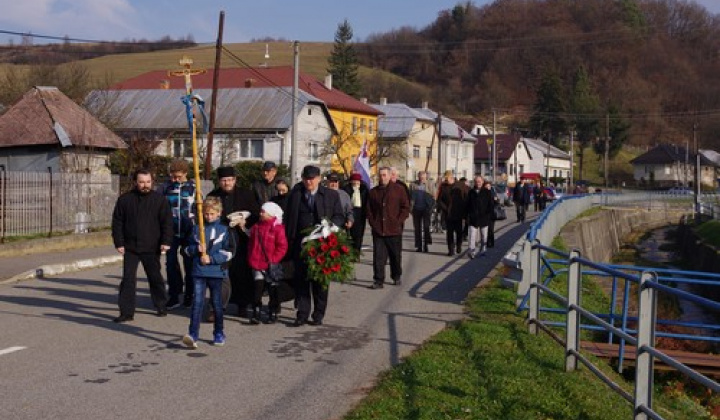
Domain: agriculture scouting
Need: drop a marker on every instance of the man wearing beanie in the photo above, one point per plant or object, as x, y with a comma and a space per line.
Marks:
239, 288
308, 204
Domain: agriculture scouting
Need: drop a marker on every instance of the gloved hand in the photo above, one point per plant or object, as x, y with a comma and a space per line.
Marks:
238, 218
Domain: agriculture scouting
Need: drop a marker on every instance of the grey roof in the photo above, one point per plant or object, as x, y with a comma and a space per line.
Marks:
238, 109
398, 121
450, 129
543, 147
711, 156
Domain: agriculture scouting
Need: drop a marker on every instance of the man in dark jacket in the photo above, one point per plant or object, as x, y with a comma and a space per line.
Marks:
521, 198
142, 228
422, 207
308, 204
358, 192
239, 288
456, 215
388, 207
265, 188
479, 209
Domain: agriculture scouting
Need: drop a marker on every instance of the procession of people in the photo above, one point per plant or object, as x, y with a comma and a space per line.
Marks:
252, 236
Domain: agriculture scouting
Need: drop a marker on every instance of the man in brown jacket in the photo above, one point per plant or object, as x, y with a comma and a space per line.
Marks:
387, 208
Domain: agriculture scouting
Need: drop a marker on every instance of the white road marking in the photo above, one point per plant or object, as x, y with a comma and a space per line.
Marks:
11, 350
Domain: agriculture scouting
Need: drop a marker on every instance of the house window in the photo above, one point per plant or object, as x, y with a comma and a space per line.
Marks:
428, 152
667, 170
371, 127
182, 148
362, 125
512, 169
453, 150
250, 149
416, 152
314, 151
466, 152
354, 125
555, 173
309, 111
521, 168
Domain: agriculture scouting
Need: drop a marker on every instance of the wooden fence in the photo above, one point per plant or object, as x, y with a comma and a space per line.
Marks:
33, 203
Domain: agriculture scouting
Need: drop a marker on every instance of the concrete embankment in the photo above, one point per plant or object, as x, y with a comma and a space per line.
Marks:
600, 235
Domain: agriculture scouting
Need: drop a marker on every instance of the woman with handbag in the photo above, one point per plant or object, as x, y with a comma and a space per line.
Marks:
266, 248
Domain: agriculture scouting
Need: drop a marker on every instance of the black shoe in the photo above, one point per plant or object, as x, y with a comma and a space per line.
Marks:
451, 253
173, 302
418, 249
255, 317
315, 322
187, 301
298, 323
377, 286
161, 313
459, 250
397, 282
425, 249
123, 318
272, 317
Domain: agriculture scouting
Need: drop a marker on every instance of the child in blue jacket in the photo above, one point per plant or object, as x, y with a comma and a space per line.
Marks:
210, 266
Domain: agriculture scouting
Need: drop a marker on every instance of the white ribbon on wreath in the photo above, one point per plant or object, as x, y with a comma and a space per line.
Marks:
322, 230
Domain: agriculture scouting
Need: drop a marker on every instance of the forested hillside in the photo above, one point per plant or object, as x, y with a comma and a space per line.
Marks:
652, 63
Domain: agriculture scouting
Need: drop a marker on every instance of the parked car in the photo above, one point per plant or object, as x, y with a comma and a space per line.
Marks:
681, 191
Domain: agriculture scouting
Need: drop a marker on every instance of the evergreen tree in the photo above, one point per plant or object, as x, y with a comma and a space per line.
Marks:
585, 110
548, 119
343, 61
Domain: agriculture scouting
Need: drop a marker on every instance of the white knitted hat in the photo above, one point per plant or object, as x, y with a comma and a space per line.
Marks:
273, 210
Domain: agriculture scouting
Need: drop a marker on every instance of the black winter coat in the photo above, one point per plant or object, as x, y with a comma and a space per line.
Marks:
479, 207
142, 222
327, 204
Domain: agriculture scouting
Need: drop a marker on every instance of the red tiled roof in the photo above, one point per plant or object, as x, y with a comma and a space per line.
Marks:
233, 78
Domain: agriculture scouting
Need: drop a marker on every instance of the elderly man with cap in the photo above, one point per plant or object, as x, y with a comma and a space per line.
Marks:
265, 188
358, 192
239, 288
308, 204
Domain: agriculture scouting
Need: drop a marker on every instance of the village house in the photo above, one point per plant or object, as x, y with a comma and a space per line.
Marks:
251, 123
354, 120
46, 131
668, 165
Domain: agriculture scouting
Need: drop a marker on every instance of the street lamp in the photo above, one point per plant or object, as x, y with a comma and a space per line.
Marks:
490, 157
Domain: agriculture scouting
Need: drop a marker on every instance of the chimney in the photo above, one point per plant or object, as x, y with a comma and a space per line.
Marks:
328, 82
164, 84
425, 104
363, 100
249, 83
383, 101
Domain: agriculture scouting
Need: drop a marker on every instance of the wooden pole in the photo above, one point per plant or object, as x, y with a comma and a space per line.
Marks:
187, 72
213, 99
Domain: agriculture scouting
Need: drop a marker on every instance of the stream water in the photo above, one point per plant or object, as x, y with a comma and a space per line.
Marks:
653, 248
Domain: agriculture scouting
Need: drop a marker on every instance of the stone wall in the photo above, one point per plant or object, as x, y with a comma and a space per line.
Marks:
600, 235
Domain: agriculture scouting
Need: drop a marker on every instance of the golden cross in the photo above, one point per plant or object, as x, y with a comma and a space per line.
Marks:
186, 72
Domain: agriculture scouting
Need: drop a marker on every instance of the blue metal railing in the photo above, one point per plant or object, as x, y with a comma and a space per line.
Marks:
539, 271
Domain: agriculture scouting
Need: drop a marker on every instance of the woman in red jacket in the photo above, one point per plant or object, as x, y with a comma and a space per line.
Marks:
267, 244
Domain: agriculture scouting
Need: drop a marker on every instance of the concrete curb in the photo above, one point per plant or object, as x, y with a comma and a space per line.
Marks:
56, 269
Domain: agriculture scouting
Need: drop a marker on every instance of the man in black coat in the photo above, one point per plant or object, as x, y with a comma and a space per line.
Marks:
309, 203
239, 288
521, 198
266, 188
142, 229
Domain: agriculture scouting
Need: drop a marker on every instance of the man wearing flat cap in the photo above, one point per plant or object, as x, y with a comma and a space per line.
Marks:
265, 188
358, 192
239, 289
307, 205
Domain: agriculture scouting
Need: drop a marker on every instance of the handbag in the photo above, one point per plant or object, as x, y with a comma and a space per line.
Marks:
498, 212
275, 272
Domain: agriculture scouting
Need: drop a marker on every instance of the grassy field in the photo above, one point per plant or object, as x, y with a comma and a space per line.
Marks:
620, 168
710, 232
489, 367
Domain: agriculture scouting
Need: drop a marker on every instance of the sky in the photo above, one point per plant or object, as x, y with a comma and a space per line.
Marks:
303, 20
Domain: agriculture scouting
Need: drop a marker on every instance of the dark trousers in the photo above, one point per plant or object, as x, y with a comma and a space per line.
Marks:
454, 235
491, 234
128, 285
358, 229
174, 275
385, 247
307, 290
421, 223
520, 212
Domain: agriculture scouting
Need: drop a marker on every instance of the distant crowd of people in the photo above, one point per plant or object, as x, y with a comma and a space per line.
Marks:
247, 230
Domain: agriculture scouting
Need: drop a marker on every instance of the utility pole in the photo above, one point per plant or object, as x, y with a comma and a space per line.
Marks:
572, 160
607, 149
213, 99
493, 148
687, 160
697, 174
293, 132
439, 131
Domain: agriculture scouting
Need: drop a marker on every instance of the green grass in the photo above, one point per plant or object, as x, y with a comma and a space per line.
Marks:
710, 232
489, 367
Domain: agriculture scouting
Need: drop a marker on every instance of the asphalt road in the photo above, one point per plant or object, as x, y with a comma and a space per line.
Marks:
62, 357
